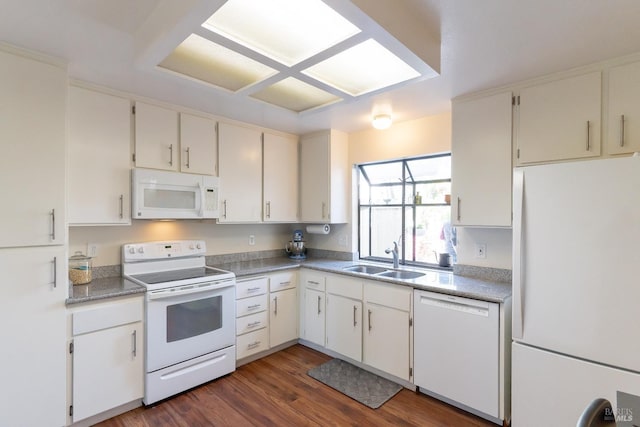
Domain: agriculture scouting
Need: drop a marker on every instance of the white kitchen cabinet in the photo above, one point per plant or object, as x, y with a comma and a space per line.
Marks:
240, 169
33, 161
324, 177
344, 316
33, 336
387, 326
99, 181
198, 145
312, 326
280, 178
252, 320
623, 114
481, 161
156, 137
560, 120
108, 356
283, 317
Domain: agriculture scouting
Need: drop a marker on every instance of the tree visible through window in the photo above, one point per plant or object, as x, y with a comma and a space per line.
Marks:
403, 201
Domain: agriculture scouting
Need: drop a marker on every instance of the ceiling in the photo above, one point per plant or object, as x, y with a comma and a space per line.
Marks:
484, 44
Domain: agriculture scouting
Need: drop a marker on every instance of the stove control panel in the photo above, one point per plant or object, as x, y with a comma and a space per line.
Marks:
163, 250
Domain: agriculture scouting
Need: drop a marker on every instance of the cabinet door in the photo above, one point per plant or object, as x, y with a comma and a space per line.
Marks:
623, 134
283, 324
344, 326
107, 369
32, 163
314, 316
560, 120
33, 335
240, 166
387, 328
481, 161
280, 178
314, 178
156, 137
99, 158
198, 145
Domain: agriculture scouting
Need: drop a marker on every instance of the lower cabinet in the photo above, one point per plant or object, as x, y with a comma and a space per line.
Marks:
107, 356
283, 308
344, 316
312, 318
388, 329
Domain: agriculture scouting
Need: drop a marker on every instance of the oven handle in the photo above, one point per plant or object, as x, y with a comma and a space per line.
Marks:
188, 289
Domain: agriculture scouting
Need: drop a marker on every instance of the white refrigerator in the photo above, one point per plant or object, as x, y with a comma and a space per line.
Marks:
576, 291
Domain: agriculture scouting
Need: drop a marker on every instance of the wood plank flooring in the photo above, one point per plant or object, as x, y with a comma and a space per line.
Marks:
276, 391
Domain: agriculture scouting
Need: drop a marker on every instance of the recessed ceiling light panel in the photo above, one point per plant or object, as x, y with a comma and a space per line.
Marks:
364, 68
295, 95
287, 31
204, 60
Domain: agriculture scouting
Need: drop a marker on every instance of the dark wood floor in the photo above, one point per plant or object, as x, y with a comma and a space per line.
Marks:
276, 391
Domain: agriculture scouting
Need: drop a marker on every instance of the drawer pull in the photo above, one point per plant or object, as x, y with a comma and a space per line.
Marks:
288, 282
254, 306
319, 299
257, 288
254, 324
253, 345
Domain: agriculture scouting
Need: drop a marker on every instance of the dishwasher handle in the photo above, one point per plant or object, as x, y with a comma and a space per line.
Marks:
469, 306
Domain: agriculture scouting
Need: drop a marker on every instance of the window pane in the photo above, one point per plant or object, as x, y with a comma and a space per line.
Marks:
384, 172
430, 168
386, 227
433, 193
364, 232
364, 190
387, 194
432, 229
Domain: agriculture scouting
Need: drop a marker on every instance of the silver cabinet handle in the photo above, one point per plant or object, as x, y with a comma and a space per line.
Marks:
319, 299
355, 310
622, 130
170, 154
254, 306
458, 208
55, 271
324, 208
257, 288
268, 209
134, 335
253, 344
53, 224
369, 318
188, 156
121, 206
313, 282
224, 211
287, 283
275, 303
254, 324
588, 135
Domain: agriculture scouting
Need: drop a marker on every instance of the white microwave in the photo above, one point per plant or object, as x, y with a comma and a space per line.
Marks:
173, 195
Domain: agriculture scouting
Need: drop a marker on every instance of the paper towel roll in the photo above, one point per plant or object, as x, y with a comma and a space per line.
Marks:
318, 229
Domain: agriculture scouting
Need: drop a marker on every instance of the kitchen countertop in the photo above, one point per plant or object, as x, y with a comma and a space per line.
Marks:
434, 280
97, 289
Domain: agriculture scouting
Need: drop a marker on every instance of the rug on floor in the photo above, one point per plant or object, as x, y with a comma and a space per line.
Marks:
365, 387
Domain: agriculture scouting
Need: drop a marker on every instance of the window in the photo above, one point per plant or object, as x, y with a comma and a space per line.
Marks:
403, 201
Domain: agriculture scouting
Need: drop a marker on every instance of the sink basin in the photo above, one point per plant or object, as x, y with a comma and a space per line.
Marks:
368, 269
401, 274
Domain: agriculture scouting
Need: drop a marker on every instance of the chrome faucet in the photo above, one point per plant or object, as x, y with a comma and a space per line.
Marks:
394, 253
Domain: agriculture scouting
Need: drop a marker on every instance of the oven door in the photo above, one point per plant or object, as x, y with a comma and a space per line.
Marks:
189, 321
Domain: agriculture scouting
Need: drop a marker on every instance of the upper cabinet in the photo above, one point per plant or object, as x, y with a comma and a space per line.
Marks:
623, 134
198, 145
481, 161
280, 178
99, 158
560, 120
324, 177
33, 161
156, 137
240, 158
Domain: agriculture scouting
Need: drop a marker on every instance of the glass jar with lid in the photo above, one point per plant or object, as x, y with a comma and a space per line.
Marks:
80, 269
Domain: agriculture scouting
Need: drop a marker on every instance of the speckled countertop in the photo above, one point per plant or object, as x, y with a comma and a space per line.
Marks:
433, 280
103, 288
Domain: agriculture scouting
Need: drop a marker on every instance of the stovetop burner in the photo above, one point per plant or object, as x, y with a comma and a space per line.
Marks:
204, 273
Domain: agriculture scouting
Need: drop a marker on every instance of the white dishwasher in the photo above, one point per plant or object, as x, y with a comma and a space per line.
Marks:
456, 350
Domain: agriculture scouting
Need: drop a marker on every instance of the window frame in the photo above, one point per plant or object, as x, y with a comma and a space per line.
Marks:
409, 186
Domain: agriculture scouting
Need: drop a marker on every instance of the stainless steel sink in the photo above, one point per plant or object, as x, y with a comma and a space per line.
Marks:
401, 274
367, 269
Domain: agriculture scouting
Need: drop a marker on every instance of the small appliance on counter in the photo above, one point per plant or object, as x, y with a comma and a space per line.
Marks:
295, 248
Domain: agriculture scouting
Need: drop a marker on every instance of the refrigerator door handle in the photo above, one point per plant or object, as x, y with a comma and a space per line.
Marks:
518, 282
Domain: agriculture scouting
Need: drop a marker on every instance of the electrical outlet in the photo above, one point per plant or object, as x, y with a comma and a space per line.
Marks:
252, 240
92, 250
481, 250
342, 240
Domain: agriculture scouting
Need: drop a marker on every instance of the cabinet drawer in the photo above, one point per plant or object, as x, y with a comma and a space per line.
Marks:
251, 305
344, 286
281, 281
394, 296
251, 287
252, 322
107, 316
251, 343
313, 281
